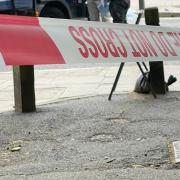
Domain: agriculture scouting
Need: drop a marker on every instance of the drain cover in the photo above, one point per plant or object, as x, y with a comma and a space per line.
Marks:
176, 148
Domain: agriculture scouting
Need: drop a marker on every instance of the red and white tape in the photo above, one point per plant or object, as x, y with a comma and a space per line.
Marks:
30, 40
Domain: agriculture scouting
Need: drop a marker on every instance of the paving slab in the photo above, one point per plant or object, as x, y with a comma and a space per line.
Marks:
59, 84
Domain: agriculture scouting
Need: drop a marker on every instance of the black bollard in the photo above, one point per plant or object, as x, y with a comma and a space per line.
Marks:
24, 93
156, 68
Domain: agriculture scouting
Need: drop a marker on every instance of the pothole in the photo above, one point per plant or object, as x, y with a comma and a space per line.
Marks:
103, 137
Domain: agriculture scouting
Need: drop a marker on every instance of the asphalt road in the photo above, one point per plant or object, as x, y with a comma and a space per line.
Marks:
93, 136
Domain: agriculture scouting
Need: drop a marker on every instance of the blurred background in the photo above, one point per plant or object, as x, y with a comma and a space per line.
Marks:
167, 9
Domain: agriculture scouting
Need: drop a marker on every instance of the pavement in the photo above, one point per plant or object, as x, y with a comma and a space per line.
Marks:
166, 8
54, 85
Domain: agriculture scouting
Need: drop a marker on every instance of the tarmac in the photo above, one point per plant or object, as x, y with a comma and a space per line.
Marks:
54, 85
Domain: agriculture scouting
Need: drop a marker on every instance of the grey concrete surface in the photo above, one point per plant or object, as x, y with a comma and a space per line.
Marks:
92, 138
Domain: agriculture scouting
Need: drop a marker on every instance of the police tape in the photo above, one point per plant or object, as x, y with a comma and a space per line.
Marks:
31, 40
